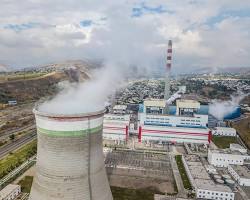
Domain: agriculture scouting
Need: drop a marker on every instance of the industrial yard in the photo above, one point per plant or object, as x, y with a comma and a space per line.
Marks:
138, 169
159, 138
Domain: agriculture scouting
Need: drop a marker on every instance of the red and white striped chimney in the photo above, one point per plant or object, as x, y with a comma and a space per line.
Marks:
168, 68
169, 55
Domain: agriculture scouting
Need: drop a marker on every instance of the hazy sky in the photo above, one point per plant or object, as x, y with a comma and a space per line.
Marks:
205, 33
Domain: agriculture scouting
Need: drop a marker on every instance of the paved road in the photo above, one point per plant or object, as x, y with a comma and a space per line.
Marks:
6, 149
8, 133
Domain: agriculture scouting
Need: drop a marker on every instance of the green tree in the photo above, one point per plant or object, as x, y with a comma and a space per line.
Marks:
12, 137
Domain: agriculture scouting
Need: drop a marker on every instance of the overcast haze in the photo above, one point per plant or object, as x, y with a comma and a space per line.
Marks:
205, 33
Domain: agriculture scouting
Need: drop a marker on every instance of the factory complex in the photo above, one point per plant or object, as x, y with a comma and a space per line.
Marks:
186, 126
158, 120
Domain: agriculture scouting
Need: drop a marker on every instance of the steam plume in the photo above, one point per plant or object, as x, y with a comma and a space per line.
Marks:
89, 96
220, 109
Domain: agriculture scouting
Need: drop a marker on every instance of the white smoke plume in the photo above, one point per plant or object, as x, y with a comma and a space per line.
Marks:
219, 109
89, 96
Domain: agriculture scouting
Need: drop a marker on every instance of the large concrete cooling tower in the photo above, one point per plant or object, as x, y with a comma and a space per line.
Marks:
70, 161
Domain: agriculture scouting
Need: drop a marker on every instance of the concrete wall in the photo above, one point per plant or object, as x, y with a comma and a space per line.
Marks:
70, 161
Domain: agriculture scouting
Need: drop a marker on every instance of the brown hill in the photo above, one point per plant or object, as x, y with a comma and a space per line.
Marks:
32, 89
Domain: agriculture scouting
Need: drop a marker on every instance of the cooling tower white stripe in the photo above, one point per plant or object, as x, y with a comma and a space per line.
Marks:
53, 125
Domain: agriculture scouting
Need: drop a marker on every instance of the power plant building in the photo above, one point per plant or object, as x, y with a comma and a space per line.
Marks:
70, 160
183, 126
116, 127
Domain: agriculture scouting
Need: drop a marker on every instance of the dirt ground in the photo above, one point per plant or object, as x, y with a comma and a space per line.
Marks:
243, 128
164, 186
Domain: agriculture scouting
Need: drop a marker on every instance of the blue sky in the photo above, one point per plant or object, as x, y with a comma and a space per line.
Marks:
142, 9
21, 27
132, 32
86, 23
244, 13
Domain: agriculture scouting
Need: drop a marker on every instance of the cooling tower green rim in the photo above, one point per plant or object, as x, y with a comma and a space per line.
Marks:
70, 133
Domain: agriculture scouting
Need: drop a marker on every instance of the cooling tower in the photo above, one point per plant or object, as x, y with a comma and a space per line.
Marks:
70, 161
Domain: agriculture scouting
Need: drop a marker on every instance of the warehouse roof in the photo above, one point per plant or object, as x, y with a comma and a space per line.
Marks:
8, 190
155, 103
224, 128
227, 151
205, 184
184, 103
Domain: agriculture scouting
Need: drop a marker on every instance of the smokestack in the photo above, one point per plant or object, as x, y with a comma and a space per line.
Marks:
70, 161
168, 69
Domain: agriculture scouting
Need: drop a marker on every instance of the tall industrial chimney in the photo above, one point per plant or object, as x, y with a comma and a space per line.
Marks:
70, 161
168, 68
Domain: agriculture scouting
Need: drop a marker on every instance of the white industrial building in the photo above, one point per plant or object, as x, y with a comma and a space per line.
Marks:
224, 131
205, 187
241, 174
225, 157
10, 192
185, 126
116, 127
237, 147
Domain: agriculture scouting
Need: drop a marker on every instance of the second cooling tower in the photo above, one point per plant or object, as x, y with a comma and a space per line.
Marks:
70, 162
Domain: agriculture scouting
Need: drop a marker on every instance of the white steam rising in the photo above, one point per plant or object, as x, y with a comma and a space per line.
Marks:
89, 96
220, 109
